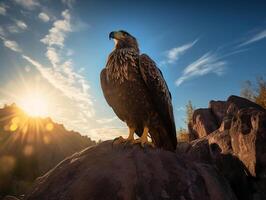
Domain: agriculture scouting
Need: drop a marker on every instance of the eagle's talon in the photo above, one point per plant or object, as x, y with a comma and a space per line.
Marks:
121, 140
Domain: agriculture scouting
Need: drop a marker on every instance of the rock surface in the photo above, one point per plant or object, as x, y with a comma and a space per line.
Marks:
218, 115
237, 148
130, 172
203, 122
227, 161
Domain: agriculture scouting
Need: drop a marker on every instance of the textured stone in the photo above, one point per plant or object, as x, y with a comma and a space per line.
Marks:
130, 172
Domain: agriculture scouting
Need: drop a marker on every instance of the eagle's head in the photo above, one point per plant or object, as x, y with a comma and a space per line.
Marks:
123, 40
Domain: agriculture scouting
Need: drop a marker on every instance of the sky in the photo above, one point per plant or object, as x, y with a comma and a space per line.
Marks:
57, 49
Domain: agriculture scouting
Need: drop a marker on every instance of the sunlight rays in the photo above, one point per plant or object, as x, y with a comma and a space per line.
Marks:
35, 104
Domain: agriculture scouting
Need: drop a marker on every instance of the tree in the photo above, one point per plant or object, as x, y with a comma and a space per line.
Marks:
255, 93
260, 98
182, 135
189, 112
247, 91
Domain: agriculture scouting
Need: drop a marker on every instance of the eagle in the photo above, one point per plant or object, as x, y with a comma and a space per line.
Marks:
135, 88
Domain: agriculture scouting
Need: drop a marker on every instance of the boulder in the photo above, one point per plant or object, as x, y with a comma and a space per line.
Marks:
218, 108
235, 103
203, 122
248, 138
130, 172
215, 149
218, 115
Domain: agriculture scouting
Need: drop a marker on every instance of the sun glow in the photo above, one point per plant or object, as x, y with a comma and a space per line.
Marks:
35, 104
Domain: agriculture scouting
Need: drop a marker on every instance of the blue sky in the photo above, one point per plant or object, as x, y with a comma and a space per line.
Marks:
205, 49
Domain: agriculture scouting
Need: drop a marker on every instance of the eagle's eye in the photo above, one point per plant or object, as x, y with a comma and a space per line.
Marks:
124, 33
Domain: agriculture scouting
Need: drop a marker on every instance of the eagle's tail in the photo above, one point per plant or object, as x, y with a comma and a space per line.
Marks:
161, 139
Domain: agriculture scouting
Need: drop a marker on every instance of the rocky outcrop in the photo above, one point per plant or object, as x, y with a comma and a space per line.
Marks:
218, 115
242, 130
227, 161
237, 148
203, 122
248, 138
206, 150
130, 172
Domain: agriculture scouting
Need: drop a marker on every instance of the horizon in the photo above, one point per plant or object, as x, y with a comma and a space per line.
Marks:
53, 52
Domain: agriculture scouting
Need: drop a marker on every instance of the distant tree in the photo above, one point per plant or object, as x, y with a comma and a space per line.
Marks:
260, 98
182, 135
247, 91
189, 112
255, 93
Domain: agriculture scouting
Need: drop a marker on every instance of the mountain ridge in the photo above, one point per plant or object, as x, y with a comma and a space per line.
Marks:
31, 146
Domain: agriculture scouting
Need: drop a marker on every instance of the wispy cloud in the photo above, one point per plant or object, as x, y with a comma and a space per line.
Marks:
28, 4
12, 45
59, 30
174, 54
106, 120
75, 88
107, 133
22, 25
180, 109
17, 27
254, 38
208, 63
2, 9
68, 3
44, 17
62, 74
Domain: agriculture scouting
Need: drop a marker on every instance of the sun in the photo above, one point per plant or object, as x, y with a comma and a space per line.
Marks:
35, 104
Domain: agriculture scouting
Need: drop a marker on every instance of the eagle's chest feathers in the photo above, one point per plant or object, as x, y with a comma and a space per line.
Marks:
120, 63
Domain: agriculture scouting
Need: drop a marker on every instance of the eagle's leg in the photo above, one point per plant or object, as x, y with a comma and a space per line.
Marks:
143, 140
130, 137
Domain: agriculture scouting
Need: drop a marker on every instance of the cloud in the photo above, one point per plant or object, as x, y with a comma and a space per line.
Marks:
53, 56
74, 87
174, 54
13, 45
17, 27
62, 75
22, 25
44, 17
59, 30
107, 133
180, 109
68, 3
28, 4
2, 9
255, 38
13, 29
208, 63
106, 120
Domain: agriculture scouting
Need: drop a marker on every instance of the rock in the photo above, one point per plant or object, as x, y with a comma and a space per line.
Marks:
203, 122
235, 103
222, 139
207, 150
218, 108
218, 115
10, 198
248, 138
130, 172
237, 148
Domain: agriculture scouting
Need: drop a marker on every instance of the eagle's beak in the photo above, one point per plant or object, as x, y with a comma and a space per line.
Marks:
111, 35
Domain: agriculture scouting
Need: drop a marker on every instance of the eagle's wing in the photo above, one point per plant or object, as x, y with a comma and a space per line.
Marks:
107, 92
160, 94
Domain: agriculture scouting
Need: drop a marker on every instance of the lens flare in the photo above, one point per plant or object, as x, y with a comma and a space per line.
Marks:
35, 105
